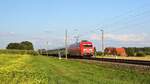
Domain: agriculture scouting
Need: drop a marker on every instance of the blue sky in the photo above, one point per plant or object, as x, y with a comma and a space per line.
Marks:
125, 22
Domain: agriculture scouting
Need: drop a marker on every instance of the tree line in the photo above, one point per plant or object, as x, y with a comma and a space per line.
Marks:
130, 51
134, 51
25, 45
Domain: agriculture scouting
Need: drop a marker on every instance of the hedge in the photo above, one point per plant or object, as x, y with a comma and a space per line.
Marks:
11, 51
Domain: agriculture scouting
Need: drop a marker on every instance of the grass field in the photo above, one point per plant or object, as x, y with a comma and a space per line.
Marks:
27, 69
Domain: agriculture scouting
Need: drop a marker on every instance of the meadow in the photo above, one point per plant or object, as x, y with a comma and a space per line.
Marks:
29, 69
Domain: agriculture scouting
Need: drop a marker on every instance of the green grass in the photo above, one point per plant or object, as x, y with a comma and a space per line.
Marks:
27, 69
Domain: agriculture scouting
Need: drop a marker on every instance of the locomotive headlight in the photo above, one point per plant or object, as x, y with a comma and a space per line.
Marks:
90, 50
84, 49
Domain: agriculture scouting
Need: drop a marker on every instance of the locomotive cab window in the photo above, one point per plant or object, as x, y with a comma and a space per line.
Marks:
87, 45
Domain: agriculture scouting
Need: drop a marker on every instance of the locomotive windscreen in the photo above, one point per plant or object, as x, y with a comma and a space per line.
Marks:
87, 45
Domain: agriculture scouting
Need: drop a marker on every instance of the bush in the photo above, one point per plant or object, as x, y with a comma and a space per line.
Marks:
147, 53
130, 51
22, 52
140, 54
14, 46
99, 53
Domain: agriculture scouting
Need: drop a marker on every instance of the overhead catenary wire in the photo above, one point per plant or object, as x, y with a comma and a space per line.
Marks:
129, 26
127, 23
123, 26
128, 17
125, 15
134, 16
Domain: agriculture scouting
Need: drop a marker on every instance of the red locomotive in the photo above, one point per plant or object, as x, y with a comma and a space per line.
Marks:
83, 48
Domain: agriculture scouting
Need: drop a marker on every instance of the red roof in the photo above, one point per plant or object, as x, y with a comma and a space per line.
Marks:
116, 51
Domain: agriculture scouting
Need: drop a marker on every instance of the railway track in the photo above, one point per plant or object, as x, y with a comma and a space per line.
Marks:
137, 62
127, 61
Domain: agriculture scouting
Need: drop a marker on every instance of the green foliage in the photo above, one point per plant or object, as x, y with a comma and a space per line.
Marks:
147, 53
14, 46
99, 53
27, 69
130, 51
133, 51
22, 52
42, 51
140, 54
25, 45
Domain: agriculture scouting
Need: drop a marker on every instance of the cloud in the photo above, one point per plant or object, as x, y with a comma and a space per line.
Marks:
48, 31
7, 34
53, 42
126, 37
121, 37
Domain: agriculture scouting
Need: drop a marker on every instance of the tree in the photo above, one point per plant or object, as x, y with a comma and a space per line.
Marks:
130, 51
42, 51
27, 45
14, 46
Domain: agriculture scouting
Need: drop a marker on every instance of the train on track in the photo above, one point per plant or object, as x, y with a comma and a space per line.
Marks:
83, 49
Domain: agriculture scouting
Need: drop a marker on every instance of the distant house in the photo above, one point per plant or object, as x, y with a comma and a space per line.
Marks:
115, 51
110, 51
121, 52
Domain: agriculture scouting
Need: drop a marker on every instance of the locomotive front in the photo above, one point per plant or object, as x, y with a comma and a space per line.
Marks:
87, 49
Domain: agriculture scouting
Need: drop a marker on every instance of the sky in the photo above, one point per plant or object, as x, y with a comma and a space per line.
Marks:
125, 22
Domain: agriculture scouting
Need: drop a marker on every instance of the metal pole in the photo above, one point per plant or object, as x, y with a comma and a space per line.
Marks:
47, 48
76, 36
59, 54
66, 38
